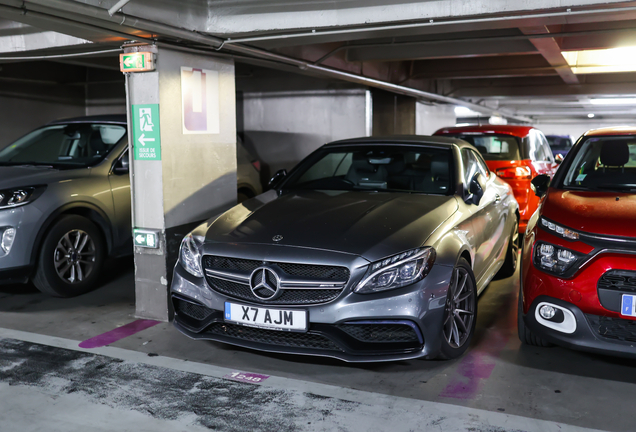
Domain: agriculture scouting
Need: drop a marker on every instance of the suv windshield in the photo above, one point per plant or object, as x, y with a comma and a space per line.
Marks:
494, 147
66, 145
604, 164
377, 168
558, 142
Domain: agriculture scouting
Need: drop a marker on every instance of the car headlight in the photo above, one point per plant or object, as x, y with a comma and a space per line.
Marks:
559, 230
190, 255
18, 196
397, 271
554, 259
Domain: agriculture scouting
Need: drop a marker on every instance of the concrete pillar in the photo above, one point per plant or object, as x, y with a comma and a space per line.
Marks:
393, 114
188, 174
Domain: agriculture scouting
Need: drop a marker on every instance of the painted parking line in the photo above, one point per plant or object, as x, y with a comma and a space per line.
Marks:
119, 333
348, 409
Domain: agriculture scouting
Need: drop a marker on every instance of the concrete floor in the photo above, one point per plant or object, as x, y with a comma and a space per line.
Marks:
497, 375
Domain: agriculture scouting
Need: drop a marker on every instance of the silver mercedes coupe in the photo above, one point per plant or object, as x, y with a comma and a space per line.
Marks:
371, 249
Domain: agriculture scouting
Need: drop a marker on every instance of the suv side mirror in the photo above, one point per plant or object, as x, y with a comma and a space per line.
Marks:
476, 189
558, 159
122, 166
540, 184
277, 179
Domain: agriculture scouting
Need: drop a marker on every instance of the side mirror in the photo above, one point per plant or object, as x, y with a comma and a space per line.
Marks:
558, 159
476, 189
540, 184
277, 179
122, 166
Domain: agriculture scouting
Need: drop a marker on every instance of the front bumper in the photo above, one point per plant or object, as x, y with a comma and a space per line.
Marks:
593, 333
27, 221
419, 307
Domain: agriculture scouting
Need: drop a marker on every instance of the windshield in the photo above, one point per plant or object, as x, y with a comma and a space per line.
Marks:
70, 145
602, 164
494, 147
375, 168
558, 142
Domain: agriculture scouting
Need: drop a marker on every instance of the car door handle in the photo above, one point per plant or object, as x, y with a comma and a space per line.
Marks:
497, 198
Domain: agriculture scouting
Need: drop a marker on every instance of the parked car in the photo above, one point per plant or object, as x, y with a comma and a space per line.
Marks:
560, 144
371, 249
65, 203
516, 154
578, 277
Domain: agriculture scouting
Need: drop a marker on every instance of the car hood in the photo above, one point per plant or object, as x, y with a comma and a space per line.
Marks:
30, 175
369, 224
593, 212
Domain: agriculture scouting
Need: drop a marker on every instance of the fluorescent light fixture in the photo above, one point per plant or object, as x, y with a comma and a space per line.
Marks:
461, 111
497, 120
462, 124
590, 115
602, 60
613, 101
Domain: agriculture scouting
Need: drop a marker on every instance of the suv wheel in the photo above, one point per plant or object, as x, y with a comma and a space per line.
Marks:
71, 257
525, 335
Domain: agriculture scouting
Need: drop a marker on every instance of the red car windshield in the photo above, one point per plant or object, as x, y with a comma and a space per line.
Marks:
604, 164
493, 146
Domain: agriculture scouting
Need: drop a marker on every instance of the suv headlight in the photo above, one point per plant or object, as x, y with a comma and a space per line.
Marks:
558, 229
397, 271
555, 259
19, 196
190, 255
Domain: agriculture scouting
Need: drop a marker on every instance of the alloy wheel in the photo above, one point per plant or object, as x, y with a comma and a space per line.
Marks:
74, 256
460, 308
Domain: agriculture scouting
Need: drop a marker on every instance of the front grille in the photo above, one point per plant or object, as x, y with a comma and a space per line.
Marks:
288, 296
315, 271
620, 280
613, 328
223, 263
196, 311
379, 333
273, 337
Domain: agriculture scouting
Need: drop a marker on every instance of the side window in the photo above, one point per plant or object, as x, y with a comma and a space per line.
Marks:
469, 162
547, 151
481, 165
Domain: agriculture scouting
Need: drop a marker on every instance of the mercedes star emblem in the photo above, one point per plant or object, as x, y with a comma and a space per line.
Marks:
277, 238
264, 283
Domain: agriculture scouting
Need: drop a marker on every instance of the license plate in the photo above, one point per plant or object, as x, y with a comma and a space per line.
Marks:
628, 305
256, 316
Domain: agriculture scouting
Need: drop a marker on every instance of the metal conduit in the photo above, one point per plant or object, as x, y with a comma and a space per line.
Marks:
59, 10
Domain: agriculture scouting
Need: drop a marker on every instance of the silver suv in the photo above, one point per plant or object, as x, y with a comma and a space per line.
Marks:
65, 203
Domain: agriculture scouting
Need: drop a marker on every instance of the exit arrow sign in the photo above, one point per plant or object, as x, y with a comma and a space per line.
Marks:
145, 238
137, 62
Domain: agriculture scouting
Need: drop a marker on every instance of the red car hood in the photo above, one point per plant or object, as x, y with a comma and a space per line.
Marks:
593, 212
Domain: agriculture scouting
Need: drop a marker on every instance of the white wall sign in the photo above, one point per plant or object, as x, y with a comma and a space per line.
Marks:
199, 101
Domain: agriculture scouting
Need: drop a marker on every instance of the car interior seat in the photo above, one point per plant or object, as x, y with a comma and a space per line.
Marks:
364, 174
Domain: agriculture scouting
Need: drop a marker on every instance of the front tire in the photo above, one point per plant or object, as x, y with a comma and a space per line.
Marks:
460, 315
512, 255
525, 335
71, 257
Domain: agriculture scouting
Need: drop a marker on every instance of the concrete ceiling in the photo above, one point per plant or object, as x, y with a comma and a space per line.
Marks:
500, 54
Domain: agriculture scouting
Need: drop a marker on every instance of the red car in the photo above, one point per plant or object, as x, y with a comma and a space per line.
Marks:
578, 271
517, 154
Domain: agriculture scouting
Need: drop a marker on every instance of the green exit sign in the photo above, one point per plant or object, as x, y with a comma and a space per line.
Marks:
145, 238
137, 62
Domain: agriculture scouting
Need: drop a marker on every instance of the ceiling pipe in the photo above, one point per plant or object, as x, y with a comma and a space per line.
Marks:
429, 23
61, 8
117, 6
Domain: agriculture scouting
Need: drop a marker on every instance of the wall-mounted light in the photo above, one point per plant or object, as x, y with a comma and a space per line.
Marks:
590, 115
613, 101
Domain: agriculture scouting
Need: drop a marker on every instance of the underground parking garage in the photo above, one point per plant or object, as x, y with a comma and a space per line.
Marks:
317, 215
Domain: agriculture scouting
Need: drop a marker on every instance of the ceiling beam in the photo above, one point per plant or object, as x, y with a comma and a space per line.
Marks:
550, 50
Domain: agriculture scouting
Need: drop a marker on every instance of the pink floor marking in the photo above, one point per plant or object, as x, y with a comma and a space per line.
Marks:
119, 333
